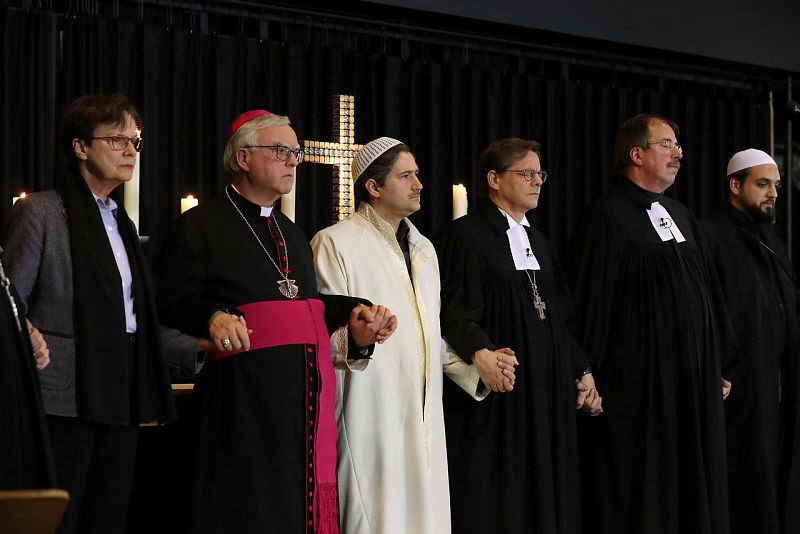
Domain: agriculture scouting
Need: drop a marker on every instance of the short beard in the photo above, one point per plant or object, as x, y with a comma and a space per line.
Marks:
757, 214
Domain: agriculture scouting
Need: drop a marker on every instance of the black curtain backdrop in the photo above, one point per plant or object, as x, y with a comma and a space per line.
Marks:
189, 85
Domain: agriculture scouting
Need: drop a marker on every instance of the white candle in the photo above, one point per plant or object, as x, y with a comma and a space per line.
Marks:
287, 200
188, 202
21, 195
459, 201
131, 195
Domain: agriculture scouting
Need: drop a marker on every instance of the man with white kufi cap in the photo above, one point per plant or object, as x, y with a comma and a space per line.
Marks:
392, 469
759, 287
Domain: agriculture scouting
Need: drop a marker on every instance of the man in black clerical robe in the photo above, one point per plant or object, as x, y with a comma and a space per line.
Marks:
241, 274
25, 458
760, 291
650, 317
512, 457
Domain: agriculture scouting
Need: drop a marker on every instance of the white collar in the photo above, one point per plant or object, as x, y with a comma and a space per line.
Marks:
520, 244
512, 223
266, 211
663, 223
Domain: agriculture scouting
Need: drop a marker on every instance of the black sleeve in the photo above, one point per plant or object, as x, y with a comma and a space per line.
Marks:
578, 358
337, 314
183, 272
592, 271
728, 344
462, 296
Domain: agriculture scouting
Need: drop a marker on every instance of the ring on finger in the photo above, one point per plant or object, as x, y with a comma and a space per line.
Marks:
226, 342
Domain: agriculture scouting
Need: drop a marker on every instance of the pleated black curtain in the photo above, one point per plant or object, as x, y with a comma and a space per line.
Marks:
189, 85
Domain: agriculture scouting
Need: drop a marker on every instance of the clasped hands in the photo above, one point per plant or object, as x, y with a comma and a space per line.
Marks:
496, 368
228, 332
726, 388
367, 325
370, 325
589, 399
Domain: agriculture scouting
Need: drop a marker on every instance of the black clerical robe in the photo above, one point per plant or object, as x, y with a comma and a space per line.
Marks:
758, 283
512, 457
254, 410
790, 458
650, 316
25, 458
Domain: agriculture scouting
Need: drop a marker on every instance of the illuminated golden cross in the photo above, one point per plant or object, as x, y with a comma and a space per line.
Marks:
339, 153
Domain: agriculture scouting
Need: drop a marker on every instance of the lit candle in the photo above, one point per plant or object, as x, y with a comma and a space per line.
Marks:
131, 193
287, 200
21, 195
188, 202
459, 201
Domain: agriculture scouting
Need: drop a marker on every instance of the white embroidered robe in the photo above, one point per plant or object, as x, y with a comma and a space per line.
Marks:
392, 466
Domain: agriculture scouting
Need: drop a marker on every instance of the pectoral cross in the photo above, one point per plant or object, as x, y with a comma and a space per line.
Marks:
539, 304
339, 153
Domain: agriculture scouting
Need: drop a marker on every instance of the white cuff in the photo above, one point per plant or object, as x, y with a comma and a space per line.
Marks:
339, 346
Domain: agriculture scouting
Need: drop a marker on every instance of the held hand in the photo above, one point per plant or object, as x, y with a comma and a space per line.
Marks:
507, 361
228, 332
589, 399
494, 368
40, 351
387, 322
726, 388
371, 325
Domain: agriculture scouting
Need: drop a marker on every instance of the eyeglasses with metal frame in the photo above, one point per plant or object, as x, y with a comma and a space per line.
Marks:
529, 174
668, 144
282, 152
120, 142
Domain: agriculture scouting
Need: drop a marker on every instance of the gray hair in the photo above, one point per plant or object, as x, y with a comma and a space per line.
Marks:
245, 136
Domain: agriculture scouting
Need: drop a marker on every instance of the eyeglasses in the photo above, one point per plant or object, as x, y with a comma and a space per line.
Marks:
529, 174
668, 144
282, 152
120, 142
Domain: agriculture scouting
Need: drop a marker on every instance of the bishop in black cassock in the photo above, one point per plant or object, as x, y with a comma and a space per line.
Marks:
512, 457
760, 290
649, 314
240, 273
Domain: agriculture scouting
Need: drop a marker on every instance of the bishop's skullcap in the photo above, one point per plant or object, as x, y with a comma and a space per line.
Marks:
245, 117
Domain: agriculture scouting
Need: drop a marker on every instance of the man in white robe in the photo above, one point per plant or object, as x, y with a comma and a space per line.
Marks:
392, 468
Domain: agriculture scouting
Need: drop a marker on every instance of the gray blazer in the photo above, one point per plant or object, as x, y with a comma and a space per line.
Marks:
38, 261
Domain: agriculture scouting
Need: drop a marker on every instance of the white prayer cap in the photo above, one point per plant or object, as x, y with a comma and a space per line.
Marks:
370, 152
749, 158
